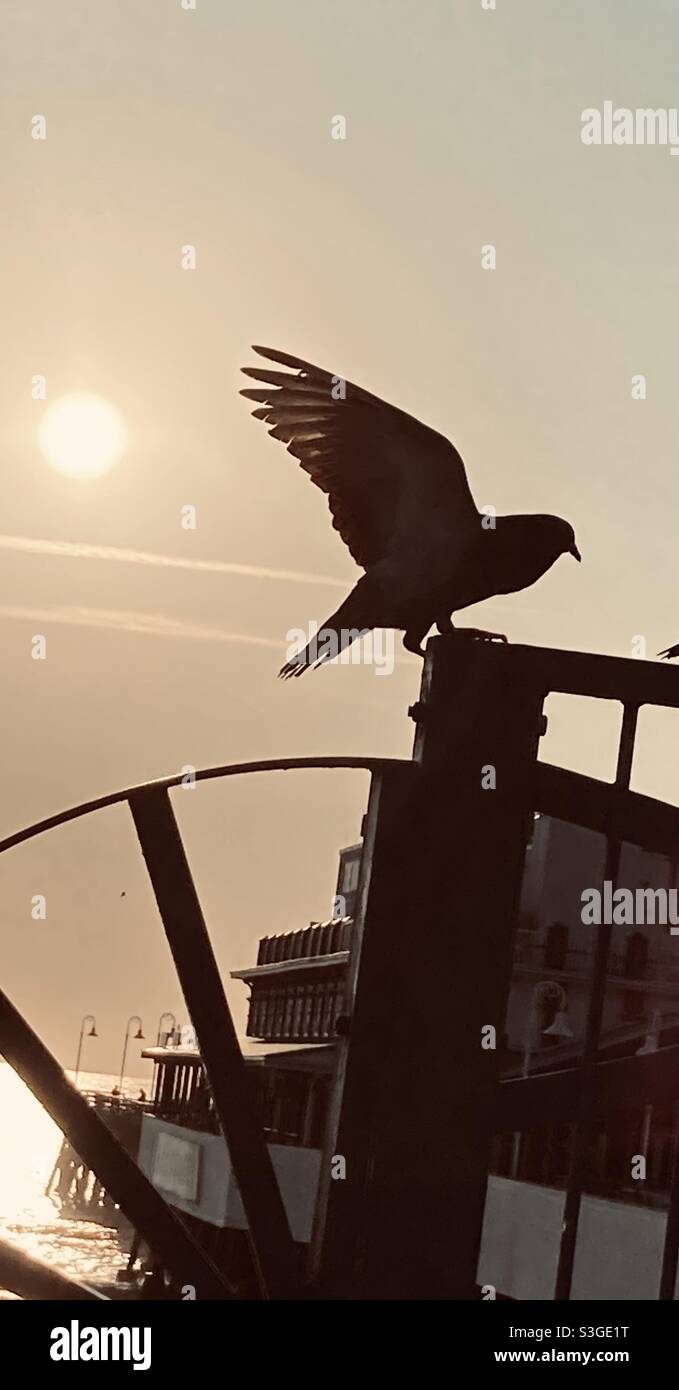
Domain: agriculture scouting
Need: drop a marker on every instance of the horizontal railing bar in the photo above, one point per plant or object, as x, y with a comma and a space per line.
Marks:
292, 964
601, 806
626, 679
620, 1083
559, 792
200, 775
32, 1278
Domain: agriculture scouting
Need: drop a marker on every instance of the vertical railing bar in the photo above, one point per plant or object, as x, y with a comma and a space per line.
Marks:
103, 1153
427, 985
583, 1127
343, 1043
182, 917
668, 1274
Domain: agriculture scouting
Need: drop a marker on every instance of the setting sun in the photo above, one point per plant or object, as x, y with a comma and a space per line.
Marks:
82, 436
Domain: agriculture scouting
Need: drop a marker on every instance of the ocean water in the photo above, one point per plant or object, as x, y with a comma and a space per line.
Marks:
28, 1150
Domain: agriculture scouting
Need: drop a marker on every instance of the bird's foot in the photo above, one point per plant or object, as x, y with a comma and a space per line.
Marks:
411, 642
295, 667
479, 634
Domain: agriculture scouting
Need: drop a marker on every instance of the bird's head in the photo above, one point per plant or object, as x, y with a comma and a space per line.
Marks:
560, 536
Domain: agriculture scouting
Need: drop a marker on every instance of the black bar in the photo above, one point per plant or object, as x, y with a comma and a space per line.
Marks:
99, 1149
31, 1278
583, 1130
269, 1235
668, 1274
626, 679
381, 790
553, 1097
606, 809
442, 874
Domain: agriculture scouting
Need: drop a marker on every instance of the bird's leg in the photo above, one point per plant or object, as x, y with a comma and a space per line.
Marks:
413, 639
445, 625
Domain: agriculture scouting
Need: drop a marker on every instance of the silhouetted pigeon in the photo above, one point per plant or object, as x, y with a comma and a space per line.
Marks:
399, 497
669, 652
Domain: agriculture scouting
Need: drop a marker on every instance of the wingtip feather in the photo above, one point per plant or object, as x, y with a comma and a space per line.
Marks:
274, 355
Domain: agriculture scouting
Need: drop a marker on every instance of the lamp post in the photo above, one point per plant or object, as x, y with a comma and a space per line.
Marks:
560, 1028
650, 1044
138, 1036
89, 1018
167, 1014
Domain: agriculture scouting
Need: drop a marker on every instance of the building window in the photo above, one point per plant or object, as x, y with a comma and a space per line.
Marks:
350, 875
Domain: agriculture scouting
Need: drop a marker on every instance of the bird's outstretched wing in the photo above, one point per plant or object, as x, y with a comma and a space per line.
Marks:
669, 652
385, 473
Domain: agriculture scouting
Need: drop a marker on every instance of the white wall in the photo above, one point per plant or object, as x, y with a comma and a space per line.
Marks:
618, 1253
218, 1200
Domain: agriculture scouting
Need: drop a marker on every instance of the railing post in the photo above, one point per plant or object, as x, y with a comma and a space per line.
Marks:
668, 1272
268, 1232
441, 882
583, 1128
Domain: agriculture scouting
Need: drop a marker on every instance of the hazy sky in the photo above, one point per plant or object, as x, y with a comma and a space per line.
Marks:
213, 127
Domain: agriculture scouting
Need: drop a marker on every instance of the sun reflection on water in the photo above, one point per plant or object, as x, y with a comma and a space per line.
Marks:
28, 1218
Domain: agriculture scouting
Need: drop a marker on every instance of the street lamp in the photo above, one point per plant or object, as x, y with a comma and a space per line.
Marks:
650, 1044
560, 1028
89, 1018
167, 1014
138, 1036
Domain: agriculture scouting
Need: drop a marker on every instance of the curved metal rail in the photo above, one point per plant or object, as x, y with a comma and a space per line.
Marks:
29, 1277
274, 1255
206, 774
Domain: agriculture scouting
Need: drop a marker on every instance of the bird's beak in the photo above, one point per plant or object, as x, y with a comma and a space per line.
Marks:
574, 551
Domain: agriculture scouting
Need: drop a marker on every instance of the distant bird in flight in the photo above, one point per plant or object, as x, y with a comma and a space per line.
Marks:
399, 497
669, 652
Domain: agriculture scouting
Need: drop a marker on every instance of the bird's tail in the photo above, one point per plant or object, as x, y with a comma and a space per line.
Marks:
670, 652
350, 622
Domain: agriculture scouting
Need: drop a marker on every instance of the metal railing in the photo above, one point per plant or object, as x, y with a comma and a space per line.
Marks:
620, 815
272, 1249
434, 843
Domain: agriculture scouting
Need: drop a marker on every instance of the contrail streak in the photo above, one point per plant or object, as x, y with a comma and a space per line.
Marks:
152, 624
30, 545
